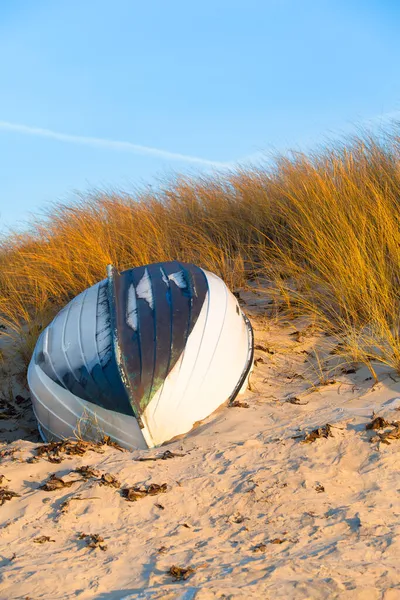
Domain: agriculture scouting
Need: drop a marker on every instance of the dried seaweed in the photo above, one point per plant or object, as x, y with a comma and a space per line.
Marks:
295, 400
93, 540
293, 376
103, 478
320, 432
43, 539
54, 451
385, 436
260, 548
236, 518
136, 492
87, 472
378, 423
55, 483
392, 430
110, 480
299, 335
168, 454
264, 348
180, 573
6, 494
107, 441
8, 452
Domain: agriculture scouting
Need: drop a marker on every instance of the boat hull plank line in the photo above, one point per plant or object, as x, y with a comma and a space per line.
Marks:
141, 356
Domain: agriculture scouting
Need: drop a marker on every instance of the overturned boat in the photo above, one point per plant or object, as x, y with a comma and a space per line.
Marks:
141, 356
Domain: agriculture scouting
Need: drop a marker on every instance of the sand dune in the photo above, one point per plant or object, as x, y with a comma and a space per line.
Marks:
250, 506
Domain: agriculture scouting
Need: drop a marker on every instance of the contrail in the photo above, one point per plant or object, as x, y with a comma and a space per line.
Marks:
107, 144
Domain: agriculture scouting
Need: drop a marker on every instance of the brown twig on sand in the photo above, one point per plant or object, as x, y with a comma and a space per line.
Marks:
164, 456
64, 506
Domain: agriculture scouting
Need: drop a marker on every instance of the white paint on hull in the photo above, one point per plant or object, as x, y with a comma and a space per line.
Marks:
132, 311
179, 279
144, 291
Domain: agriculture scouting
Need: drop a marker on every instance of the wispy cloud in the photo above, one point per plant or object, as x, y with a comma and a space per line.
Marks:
107, 144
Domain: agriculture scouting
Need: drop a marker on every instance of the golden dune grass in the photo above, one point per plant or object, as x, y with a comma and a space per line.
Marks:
324, 228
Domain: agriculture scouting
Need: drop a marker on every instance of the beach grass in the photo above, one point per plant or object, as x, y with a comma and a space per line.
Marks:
323, 229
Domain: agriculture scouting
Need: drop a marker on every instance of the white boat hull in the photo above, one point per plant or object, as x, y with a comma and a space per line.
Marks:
141, 357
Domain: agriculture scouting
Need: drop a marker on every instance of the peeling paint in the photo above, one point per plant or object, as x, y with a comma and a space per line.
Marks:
131, 309
179, 279
144, 290
163, 276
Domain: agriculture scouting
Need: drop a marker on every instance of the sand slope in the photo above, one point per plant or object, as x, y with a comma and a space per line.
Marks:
253, 509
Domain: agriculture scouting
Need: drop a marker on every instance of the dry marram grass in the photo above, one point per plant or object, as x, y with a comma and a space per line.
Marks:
324, 228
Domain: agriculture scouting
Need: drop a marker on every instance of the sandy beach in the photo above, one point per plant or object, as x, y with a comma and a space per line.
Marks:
176, 177
262, 500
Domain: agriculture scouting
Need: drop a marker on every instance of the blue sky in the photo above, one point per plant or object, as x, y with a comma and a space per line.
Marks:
216, 80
